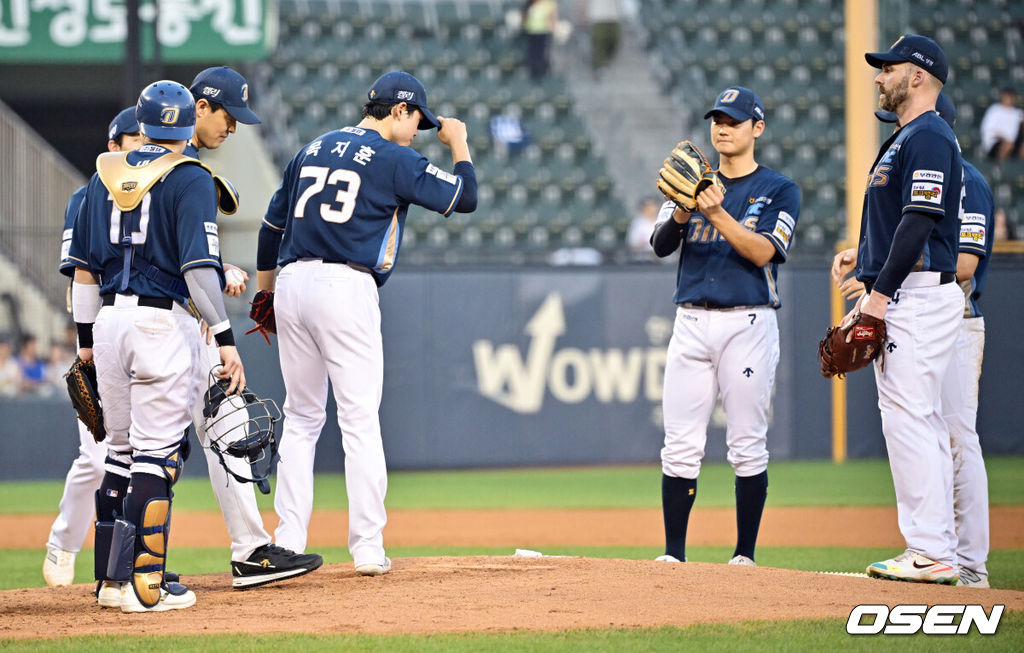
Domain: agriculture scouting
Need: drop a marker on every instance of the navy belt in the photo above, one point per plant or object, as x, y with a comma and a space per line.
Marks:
165, 303
711, 306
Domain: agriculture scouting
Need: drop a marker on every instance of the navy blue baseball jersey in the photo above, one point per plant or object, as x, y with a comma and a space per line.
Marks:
174, 228
976, 230
67, 266
710, 271
918, 168
345, 196
191, 150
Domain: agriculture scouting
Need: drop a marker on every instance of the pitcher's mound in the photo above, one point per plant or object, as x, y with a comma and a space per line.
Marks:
485, 593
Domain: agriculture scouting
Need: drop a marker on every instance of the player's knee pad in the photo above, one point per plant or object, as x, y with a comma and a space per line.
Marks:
171, 466
119, 463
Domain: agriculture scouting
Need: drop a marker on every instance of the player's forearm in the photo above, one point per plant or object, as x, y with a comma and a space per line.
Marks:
267, 249
265, 279
460, 152
85, 305
750, 245
966, 266
467, 201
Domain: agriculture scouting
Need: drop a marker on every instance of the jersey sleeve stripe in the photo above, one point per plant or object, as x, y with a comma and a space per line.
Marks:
200, 262
924, 208
273, 226
780, 247
972, 248
455, 199
78, 262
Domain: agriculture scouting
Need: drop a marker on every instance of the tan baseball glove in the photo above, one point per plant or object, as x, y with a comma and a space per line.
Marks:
684, 174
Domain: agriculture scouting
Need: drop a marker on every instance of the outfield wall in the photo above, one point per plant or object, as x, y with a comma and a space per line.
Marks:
542, 366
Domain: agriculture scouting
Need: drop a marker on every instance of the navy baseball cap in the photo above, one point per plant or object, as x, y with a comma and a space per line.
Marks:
943, 106
124, 123
738, 103
399, 86
916, 49
228, 89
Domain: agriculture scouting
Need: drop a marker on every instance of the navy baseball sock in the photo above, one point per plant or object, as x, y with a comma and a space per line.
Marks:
110, 497
677, 496
751, 492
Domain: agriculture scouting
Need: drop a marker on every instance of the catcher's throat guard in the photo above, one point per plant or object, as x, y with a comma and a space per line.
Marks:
241, 425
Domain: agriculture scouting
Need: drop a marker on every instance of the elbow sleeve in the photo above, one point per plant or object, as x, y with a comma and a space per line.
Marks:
268, 248
467, 202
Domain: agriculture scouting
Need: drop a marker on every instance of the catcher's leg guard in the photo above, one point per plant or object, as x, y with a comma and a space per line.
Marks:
109, 506
148, 509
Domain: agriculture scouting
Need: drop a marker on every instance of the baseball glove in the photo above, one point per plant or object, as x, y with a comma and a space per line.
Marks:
262, 313
81, 378
684, 174
839, 357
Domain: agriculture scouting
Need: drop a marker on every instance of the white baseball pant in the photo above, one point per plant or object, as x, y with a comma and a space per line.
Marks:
960, 411
328, 328
736, 352
922, 322
78, 501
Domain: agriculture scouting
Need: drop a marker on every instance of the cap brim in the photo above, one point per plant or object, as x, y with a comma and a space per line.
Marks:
886, 116
732, 112
243, 115
879, 59
168, 133
428, 120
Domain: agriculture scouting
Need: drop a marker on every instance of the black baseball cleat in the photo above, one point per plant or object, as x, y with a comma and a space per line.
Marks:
271, 563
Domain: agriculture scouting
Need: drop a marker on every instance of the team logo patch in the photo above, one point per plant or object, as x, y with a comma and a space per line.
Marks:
864, 333
213, 242
211, 91
113, 131
407, 96
926, 192
784, 228
245, 92
929, 175
441, 174
729, 95
972, 233
973, 218
169, 115
129, 186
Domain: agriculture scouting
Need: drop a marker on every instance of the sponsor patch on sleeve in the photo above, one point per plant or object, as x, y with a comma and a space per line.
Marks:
784, 229
211, 227
973, 218
65, 249
929, 175
926, 192
214, 244
972, 234
441, 174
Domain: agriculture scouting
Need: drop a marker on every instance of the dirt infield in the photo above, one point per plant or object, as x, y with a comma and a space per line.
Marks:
520, 528
484, 594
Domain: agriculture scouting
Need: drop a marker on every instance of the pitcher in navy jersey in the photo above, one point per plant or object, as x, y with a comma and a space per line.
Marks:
335, 228
726, 337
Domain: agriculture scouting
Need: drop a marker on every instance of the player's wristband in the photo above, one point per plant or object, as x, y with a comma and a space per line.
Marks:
84, 334
225, 338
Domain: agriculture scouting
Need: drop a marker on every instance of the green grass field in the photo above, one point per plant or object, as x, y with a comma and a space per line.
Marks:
857, 483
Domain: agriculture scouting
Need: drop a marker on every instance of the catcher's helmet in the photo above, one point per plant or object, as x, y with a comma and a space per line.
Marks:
166, 111
241, 425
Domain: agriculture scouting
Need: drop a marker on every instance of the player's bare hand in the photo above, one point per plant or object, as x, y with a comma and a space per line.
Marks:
85, 353
851, 288
452, 131
681, 216
843, 264
709, 202
235, 278
204, 331
231, 368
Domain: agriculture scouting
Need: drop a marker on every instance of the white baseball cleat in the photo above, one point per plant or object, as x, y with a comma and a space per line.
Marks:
667, 558
971, 578
742, 561
109, 594
914, 567
373, 568
173, 596
59, 567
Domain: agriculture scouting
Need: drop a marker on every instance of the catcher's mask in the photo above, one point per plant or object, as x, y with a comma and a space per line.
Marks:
250, 438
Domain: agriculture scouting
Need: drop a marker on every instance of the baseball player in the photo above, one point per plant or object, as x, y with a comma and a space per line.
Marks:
959, 392
335, 227
726, 337
145, 247
83, 479
907, 259
221, 96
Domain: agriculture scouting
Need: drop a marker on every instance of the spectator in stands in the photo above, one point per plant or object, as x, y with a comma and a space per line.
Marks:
1001, 132
10, 371
57, 364
33, 369
603, 17
539, 20
640, 230
1001, 228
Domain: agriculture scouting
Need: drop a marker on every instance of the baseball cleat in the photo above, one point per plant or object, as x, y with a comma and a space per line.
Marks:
59, 567
742, 561
271, 563
373, 568
108, 594
668, 558
971, 578
915, 568
173, 596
